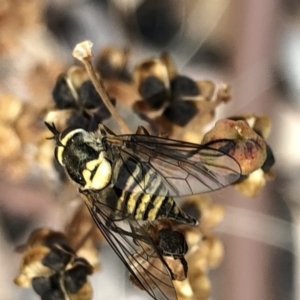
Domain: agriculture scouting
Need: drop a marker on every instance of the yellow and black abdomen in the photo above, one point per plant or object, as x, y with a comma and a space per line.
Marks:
150, 207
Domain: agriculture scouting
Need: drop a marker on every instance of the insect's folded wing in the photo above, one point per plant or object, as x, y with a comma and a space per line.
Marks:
136, 250
164, 167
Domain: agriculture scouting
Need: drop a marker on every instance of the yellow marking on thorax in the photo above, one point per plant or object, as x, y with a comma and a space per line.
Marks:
101, 177
92, 164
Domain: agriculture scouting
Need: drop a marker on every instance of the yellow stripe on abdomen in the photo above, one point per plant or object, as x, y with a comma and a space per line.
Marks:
156, 207
140, 210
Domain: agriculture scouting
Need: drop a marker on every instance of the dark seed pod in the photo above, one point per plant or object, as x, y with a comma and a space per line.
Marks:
62, 95
180, 112
182, 86
76, 277
153, 92
48, 288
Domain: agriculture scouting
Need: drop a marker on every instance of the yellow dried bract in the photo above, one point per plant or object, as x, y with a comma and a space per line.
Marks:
259, 123
75, 77
162, 68
31, 266
117, 58
252, 185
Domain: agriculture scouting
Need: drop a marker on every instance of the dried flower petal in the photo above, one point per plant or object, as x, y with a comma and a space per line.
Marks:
83, 50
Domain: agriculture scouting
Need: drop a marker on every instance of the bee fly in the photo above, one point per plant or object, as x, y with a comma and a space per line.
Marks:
133, 178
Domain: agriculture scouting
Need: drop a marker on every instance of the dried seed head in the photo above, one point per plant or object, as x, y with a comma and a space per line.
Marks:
251, 185
112, 63
241, 142
262, 126
183, 104
151, 69
52, 269
45, 252
46, 237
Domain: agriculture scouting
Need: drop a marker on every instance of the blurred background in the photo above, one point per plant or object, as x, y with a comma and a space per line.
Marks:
252, 45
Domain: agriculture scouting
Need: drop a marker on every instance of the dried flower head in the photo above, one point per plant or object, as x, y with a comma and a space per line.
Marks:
240, 141
52, 268
171, 102
77, 103
112, 63
251, 184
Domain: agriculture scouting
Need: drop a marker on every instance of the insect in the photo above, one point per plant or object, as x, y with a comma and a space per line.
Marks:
129, 181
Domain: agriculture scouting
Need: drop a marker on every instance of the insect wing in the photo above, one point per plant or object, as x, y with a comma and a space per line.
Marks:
159, 166
136, 250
